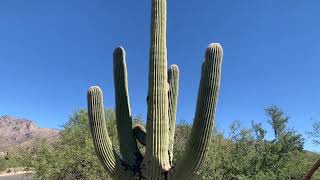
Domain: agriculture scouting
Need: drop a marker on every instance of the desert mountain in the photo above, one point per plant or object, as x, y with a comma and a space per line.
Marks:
21, 132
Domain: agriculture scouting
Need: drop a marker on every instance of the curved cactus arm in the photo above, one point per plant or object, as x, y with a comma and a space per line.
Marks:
201, 132
140, 133
103, 146
128, 144
173, 81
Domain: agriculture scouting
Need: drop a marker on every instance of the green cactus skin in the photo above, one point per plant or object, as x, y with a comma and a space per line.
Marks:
173, 81
206, 106
156, 161
140, 133
128, 144
108, 157
161, 118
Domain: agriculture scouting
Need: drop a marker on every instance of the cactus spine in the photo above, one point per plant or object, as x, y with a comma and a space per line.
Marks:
161, 118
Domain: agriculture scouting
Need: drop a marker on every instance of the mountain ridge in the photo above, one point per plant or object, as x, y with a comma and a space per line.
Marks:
17, 132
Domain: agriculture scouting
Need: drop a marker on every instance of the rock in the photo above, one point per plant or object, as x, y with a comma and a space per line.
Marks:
22, 132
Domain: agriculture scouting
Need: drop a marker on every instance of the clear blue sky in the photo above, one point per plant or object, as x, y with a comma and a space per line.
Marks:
52, 51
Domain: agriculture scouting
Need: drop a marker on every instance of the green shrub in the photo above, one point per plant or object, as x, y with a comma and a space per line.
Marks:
244, 154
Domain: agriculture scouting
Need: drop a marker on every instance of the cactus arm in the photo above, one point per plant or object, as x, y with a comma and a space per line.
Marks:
196, 149
162, 99
173, 81
156, 160
128, 145
103, 145
140, 133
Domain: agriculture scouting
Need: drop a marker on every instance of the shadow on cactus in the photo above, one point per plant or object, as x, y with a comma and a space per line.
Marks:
162, 98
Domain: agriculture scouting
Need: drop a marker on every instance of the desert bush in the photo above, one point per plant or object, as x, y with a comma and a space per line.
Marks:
243, 154
3, 164
72, 156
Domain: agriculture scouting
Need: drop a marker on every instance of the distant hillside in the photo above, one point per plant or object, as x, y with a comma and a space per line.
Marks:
21, 132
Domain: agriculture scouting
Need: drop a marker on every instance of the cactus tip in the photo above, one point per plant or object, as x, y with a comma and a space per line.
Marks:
94, 89
215, 47
174, 67
119, 50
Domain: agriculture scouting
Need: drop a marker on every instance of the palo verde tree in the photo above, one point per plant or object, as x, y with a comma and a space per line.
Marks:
287, 138
157, 163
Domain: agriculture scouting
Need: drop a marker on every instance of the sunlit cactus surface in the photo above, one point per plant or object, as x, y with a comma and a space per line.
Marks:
158, 136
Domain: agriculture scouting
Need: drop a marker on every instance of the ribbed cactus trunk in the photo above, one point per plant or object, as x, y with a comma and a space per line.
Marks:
156, 160
158, 138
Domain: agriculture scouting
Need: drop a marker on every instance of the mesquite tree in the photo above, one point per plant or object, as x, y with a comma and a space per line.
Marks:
162, 98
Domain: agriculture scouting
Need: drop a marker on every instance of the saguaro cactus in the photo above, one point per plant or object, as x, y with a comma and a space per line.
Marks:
161, 118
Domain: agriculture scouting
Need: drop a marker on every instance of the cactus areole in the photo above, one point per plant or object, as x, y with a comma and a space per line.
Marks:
158, 137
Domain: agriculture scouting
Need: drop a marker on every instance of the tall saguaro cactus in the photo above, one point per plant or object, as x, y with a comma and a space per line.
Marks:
161, 118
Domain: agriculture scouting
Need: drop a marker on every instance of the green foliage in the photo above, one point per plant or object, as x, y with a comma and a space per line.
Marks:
244, 154
73, 156
277, 120
182, 134
287, 139
8, 161
3, 164
315, 133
